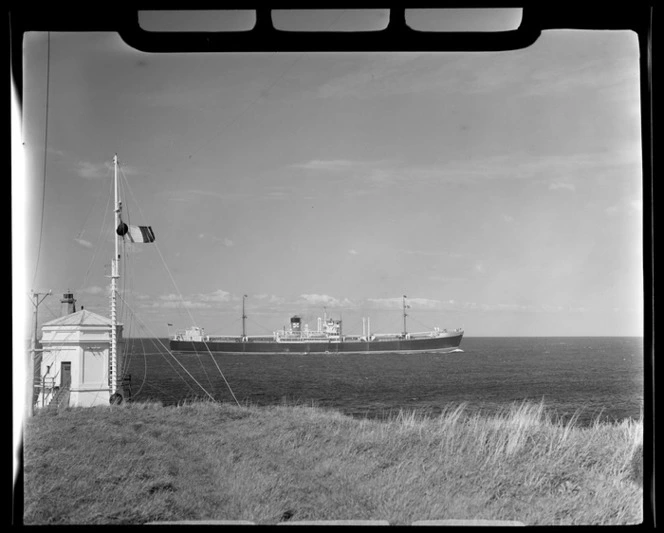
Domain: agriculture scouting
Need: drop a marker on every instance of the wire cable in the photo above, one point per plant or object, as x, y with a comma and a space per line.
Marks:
172, 367
182, 299
41, 223
125, 186
178, 362
99, 240
94, 204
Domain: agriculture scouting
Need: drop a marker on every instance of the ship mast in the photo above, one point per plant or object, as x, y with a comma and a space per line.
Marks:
244, 318
404, 315
114, 283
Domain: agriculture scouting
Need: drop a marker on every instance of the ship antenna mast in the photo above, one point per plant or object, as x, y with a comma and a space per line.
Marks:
404, 314
244, 318
114, 283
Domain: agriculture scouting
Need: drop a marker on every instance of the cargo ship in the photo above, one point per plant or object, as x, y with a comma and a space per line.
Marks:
327, 338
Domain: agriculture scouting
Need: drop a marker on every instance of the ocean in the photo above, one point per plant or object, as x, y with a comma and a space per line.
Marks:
594, 377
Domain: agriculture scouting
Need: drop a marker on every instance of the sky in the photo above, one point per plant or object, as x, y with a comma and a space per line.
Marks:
501, 192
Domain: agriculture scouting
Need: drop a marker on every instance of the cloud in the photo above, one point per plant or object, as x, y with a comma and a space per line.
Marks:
93, 171
325, 300
447, 279
217, 296
413, 73
170, 297
353, 252
210, 300
55, 151
88, 170
558, 185
397, 303
141, 296
194, 195
278, 195
268, 298
515, 308
629, 207
367, 176
332, 165
225, 241
265, 302
424, 303
84, 243
479, 267
432, 253
386, 75
95, 289
187, 304
607, 78
373, 172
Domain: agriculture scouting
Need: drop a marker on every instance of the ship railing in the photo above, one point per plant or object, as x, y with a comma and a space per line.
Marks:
451, 331
423, 334
251, 338
312, 335
413, 335
191, 338
193, 334
304, 340
223, 338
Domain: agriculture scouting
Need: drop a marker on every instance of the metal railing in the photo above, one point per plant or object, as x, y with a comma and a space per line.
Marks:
46, 387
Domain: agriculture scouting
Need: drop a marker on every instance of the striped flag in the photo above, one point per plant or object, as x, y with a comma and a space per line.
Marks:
140, 234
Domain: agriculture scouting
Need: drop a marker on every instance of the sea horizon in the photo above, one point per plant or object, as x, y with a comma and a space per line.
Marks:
600, 375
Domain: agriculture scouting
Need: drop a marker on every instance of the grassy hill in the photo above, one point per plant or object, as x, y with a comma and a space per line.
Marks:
131, 464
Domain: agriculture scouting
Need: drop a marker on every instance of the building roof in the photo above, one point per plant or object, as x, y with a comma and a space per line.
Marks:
80, 318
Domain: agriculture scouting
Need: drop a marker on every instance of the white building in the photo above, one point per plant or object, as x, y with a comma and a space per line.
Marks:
75, 363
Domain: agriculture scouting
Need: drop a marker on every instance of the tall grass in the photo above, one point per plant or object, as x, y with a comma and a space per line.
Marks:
138, 463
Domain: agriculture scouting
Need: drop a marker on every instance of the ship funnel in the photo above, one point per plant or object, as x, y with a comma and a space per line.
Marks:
295, 323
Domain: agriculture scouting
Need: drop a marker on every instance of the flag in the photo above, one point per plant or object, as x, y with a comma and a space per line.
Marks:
140, 234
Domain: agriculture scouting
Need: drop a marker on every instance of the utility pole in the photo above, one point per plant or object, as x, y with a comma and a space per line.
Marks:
36, 298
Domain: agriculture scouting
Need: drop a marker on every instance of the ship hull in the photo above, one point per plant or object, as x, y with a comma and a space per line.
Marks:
442, 344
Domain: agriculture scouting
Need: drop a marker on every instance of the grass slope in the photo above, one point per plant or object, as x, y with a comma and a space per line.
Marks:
143, 462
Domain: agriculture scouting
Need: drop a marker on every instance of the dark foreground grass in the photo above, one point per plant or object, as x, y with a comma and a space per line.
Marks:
143, 462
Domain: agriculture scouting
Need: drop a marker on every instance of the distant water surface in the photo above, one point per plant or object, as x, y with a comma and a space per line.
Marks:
602, 376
